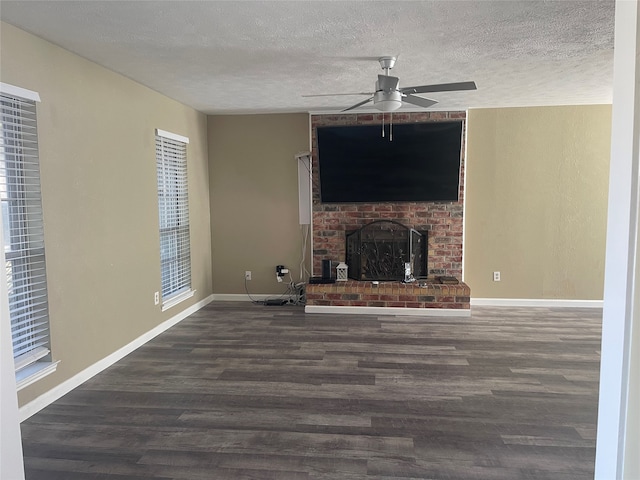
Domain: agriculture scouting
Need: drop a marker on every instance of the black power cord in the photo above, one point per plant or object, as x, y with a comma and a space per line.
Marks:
294, 295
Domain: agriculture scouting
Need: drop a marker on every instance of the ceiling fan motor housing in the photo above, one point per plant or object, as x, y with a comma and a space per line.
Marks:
387, 96
387, 101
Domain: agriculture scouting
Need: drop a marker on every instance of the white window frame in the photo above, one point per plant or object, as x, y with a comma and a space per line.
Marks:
173, 213
23, 254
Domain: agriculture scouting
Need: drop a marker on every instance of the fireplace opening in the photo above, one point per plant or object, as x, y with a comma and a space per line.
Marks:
381, 249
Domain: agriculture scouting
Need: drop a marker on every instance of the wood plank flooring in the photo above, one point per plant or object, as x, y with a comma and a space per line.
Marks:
243, 391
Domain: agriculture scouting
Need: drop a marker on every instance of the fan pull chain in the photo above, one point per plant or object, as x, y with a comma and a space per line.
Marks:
382, 124
391, 127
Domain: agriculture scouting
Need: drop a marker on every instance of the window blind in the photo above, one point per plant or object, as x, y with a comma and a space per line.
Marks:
173, 206
23, 236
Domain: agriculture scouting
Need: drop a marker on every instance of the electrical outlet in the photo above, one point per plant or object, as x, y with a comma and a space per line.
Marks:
247, 275
156, 298
281, 271
496, 276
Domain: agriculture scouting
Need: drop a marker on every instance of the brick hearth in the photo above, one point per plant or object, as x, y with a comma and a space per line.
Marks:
423, 294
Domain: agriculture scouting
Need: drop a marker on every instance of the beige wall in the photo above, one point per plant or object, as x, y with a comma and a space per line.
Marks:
254, 199
536, 201
96, 135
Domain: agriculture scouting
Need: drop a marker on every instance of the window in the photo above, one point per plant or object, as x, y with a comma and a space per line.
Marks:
173, 206
23, 235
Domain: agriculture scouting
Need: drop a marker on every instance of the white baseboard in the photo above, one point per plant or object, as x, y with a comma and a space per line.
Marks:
535, 302
488, 302
242, 297
398, 311
65, 387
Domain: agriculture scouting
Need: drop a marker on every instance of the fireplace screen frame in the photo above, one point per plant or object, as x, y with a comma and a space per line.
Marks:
380, 249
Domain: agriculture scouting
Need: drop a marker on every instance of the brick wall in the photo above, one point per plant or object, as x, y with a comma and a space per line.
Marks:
443, 220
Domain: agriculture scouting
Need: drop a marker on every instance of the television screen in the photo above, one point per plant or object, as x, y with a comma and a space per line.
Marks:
421, 164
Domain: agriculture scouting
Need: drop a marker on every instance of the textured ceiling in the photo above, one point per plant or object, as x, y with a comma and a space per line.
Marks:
259, 57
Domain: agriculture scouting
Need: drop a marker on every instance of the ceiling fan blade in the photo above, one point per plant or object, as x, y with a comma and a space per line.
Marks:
364, 58
338, 94
419, 101
443, 87
388, 83
357, 104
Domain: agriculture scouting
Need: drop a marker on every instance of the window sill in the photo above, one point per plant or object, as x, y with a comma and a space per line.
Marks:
34, 372
177, 299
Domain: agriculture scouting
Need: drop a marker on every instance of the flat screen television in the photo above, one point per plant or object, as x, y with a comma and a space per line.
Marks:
421, 164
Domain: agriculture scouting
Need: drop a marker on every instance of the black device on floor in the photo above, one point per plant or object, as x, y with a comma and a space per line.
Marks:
275, 301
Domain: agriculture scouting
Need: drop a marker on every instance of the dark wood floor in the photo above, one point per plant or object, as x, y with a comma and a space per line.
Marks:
242, 391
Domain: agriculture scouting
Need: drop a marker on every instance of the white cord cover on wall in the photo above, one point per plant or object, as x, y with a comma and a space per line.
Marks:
304, 187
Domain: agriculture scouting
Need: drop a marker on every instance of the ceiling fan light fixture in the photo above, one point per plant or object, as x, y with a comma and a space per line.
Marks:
388, 105
387, 101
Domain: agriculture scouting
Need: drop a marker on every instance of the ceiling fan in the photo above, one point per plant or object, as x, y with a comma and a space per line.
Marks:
388, 96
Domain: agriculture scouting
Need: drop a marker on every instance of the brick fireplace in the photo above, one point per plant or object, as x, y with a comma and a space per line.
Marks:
442, 220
